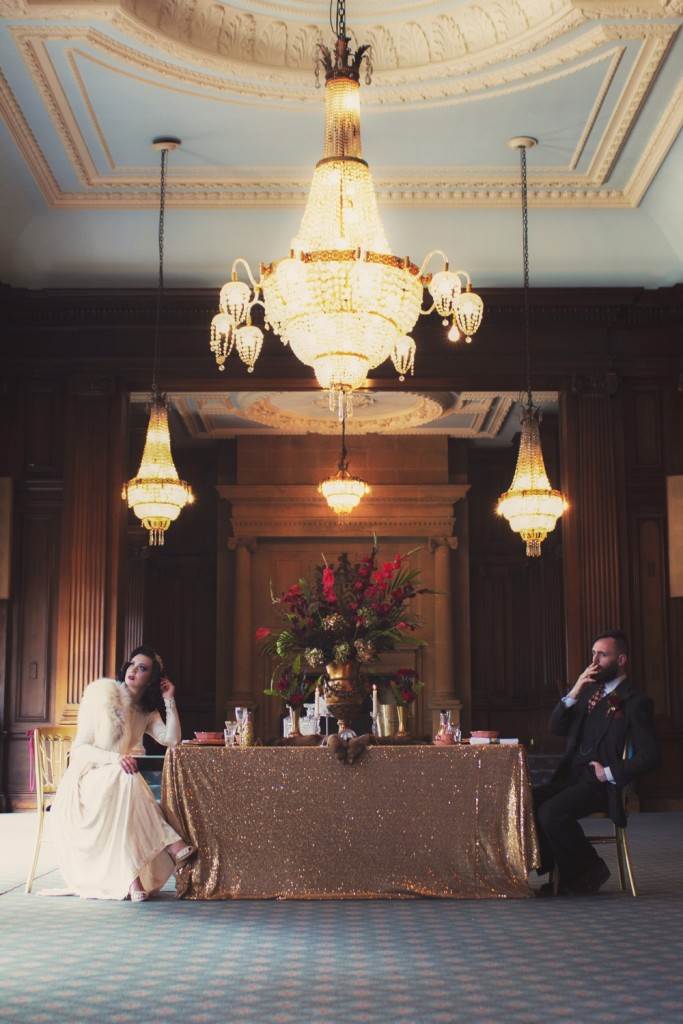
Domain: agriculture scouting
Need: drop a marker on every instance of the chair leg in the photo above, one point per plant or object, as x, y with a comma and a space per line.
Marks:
622, 845
36, 852
620, 857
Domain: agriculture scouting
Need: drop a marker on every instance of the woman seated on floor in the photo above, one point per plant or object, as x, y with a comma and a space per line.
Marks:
112, 839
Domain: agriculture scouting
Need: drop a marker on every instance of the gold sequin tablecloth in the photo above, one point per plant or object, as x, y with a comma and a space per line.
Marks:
292, 822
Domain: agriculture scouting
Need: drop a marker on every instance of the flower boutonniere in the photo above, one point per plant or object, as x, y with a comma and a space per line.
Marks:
615, 705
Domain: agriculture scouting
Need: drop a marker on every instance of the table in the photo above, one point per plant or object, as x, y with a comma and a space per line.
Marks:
292, 822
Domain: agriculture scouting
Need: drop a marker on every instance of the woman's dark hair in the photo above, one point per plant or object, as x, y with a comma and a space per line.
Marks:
150, 699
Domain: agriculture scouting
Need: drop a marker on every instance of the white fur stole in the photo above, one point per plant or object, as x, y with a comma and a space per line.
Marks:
104, 716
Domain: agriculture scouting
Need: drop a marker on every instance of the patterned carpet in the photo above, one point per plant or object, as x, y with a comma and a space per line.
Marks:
599, 959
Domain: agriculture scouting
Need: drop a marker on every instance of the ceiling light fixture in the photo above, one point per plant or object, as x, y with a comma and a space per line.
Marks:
156, 494
343, 492
531, 506
341, 300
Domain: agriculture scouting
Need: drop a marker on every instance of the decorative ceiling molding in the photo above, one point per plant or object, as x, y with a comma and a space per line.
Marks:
284, 510
468, 414
125, 187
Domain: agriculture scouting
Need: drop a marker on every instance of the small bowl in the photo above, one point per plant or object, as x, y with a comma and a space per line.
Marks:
209, 737
485, 734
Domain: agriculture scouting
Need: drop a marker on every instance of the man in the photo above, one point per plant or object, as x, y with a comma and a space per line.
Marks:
601, 715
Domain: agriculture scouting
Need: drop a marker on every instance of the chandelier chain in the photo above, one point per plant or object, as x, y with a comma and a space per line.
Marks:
525, 261
339, 24
343, 461
160, 286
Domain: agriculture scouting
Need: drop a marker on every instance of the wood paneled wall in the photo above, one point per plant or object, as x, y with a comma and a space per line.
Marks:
615, 356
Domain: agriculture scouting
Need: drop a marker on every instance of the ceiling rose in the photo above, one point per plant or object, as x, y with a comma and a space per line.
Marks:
410, 39
308, 413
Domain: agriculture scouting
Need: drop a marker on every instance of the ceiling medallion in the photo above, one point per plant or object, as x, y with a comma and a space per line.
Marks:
531, 506
341, 300
156, 494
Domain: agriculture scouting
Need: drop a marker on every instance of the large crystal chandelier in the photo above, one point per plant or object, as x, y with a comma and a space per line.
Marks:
156, 493
341, 300
343, 492
531, 506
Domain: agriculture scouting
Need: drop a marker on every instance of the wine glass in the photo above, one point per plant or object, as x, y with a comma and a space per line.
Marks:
230, 733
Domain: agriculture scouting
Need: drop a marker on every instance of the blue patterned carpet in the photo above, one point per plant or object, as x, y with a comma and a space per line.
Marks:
597, 959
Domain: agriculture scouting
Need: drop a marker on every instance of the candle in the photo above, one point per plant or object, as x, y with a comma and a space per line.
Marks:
317, 702
375, 702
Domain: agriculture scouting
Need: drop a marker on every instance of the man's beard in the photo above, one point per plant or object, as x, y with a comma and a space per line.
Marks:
608, 672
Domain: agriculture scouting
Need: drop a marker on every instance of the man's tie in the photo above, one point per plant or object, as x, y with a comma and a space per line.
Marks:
596, 697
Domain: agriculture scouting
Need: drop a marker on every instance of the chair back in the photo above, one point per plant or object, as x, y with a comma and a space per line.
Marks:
51, 749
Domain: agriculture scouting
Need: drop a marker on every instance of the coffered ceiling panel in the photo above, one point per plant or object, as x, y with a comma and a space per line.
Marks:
86, 85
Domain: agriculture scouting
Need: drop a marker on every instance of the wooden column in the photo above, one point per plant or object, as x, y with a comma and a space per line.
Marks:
91, 540
444, 695
462, 628
593, 530
134, 586
242, 671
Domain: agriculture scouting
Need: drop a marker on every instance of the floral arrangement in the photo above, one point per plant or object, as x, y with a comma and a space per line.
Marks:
292, 687
348, 612
405, 686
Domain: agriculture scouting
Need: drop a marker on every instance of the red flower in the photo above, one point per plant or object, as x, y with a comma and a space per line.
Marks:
262, 632
402, 625
296, 699
408, 696
328, 585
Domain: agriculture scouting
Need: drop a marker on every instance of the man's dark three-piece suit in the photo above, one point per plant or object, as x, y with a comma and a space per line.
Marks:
622, 719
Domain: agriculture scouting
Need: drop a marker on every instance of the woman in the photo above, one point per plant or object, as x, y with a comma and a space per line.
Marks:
113, 841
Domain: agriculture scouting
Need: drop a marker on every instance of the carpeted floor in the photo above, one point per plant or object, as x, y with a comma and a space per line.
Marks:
596, 959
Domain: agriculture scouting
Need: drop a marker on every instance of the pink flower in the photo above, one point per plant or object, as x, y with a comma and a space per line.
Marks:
262, 632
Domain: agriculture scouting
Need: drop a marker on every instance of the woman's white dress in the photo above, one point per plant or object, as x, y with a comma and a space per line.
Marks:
106, 824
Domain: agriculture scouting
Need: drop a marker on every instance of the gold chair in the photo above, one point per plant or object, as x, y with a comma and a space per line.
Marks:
619, 839
51, 749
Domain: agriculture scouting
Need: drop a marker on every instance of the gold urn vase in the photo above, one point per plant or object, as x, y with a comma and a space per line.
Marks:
344, 694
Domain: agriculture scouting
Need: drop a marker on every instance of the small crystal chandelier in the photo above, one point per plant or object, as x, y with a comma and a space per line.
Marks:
341, 300
531, 506
343, 492
156, 494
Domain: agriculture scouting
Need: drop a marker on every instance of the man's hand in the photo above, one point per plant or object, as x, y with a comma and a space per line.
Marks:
588, 675
599, 771
167, 689
128, 764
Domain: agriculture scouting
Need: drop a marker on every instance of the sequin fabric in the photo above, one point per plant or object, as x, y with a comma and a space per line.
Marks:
294, 823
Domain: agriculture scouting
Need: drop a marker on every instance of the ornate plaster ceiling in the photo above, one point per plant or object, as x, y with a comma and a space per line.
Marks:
478, 415
86, 84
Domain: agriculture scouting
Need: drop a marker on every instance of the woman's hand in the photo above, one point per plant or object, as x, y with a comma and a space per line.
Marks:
128, 764
167, 689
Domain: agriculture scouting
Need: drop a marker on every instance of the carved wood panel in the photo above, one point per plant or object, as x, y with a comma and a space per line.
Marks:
35, 620
180, 622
